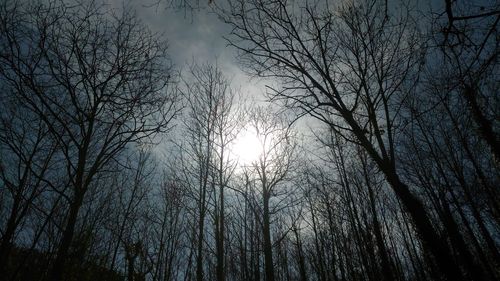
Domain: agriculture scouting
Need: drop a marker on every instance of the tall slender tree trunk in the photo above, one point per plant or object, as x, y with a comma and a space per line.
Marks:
300, 255
268, 250
382, 251
220, 224
199, 257
322, 275
220, 239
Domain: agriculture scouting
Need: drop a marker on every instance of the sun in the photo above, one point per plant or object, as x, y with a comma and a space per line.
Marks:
247, 147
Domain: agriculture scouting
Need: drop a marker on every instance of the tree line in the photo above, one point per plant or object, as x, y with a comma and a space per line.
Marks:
397, 180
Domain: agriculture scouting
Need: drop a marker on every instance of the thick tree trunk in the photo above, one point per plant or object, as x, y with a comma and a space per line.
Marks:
6, 244
484, 125
431, 240
59, 265
474, 270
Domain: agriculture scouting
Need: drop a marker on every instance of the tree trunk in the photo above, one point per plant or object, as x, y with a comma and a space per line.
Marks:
300, 256
220, 241
199, 257
268, 251
67, 237
485, 126
220, 225
382, 251
431, 240
6, 244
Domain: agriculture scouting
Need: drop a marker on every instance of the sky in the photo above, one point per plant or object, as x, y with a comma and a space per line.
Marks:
199, 37
196, 36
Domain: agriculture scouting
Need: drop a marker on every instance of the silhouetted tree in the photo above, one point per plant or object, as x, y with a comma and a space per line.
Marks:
98, 82
467, 38
349, 67
271, 168
210, 126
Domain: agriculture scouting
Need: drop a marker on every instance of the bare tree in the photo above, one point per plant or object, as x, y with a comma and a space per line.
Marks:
172, 224
26, 160
225, 130
467, 34
97, 80
132, 189
348, 66
271, 169
211, 127
443, 155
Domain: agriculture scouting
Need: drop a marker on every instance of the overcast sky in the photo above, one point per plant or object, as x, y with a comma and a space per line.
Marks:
196, 36
199, 36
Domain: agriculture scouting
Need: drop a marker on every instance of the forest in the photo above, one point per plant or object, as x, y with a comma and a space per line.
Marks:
372, 152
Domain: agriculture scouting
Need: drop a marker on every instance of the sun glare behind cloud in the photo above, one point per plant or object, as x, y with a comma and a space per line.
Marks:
247, 147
